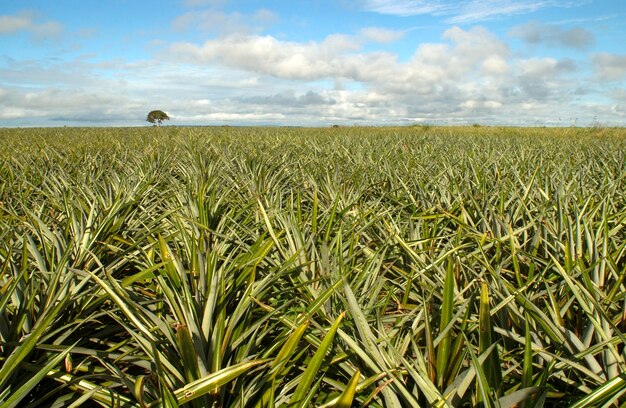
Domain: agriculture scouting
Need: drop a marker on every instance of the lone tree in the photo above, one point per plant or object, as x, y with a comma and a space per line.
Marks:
157, 116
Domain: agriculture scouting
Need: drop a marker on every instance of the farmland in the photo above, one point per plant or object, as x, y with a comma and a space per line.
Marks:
254, 267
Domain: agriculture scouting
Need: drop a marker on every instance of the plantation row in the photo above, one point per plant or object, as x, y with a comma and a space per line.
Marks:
379, 267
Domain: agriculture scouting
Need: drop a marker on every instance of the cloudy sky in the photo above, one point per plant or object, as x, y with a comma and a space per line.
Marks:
317, 62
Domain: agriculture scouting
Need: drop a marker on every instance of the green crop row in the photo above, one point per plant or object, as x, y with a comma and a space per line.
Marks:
293, 267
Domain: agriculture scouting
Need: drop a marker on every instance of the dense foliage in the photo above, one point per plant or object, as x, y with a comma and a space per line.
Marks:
382, 267
157, 116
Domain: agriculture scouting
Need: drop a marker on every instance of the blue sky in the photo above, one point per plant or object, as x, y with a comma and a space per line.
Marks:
370, 62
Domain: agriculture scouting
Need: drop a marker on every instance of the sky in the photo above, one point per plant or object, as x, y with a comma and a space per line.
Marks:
313, 63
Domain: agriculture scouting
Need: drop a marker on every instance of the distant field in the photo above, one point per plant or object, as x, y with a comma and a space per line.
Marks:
259, 267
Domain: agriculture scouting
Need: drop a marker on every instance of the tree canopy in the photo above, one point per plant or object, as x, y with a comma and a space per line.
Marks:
157, 116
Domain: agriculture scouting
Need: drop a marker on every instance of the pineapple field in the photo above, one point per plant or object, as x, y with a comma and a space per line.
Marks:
313, 267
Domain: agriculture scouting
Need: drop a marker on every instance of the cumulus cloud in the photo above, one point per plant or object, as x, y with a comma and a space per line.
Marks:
55, 103
619, 94
469, 72
268, 55
609, 67
539, 33
225, 23
467, 76
381, 35
542, 67
289, 98
542, 79
340, 56
473, 104
28, 21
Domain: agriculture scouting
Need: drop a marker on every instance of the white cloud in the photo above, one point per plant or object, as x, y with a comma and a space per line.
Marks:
609, 67
268, 55
539, 33
223, 22
28, 21
54, 103
339, 56
618, 94
290, 98
542, 67
203, 3
495, 64
12, 24
236, 117
463, 11
467, 76
381, 35
473, 104
265, 16
472, 11
405, 8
